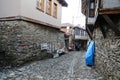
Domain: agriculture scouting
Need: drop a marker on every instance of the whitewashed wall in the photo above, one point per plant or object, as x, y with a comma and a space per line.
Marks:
111, 3
32, 12
9, 8
27, 8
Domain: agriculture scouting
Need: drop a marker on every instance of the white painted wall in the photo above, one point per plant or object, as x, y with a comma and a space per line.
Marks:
27, 8
111, 3
9, 8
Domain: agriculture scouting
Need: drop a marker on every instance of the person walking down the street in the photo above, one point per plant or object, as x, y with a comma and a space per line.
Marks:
77, 47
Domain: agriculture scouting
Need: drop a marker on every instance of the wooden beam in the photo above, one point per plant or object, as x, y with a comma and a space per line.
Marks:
112, 25
29, 20
89, 33
109, 11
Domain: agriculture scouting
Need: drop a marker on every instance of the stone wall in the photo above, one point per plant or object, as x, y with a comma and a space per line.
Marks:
107, 54
21, 41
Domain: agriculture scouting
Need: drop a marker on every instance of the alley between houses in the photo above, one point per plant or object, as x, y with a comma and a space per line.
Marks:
70, 66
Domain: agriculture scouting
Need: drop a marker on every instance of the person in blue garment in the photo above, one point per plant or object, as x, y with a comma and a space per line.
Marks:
90, 54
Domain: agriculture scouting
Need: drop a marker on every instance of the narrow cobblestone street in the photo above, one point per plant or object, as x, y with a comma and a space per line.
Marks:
70, 66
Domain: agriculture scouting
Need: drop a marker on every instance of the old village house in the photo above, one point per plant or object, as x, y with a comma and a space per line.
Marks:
29, 26
103, 26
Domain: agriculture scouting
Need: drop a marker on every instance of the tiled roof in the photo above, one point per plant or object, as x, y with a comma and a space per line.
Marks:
66, 24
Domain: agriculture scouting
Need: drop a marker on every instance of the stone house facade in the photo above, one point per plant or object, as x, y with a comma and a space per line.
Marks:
80, 37
103, 26
27, 28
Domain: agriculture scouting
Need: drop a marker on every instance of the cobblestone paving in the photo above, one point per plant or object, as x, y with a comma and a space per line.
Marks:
70, 66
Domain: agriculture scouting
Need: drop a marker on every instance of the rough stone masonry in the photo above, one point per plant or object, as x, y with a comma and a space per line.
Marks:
21, 41
107, 56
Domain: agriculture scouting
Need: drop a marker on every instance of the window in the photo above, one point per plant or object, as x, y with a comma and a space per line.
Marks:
49, 6
92, 9
91, 13
55, 10
92, 5
82, 33
77, 31
40, 5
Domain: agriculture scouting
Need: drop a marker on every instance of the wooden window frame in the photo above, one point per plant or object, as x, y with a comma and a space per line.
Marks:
41, 8
55, 10
91, 12
50, 4
91, 8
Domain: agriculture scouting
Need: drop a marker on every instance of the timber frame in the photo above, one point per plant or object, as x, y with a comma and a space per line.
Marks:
109, 11
105, 12
89, 33
111, 24
29, 20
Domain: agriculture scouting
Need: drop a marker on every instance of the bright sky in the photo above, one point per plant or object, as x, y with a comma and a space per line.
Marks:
72, 13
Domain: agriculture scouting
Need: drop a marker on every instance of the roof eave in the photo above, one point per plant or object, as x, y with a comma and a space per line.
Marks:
63, 3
